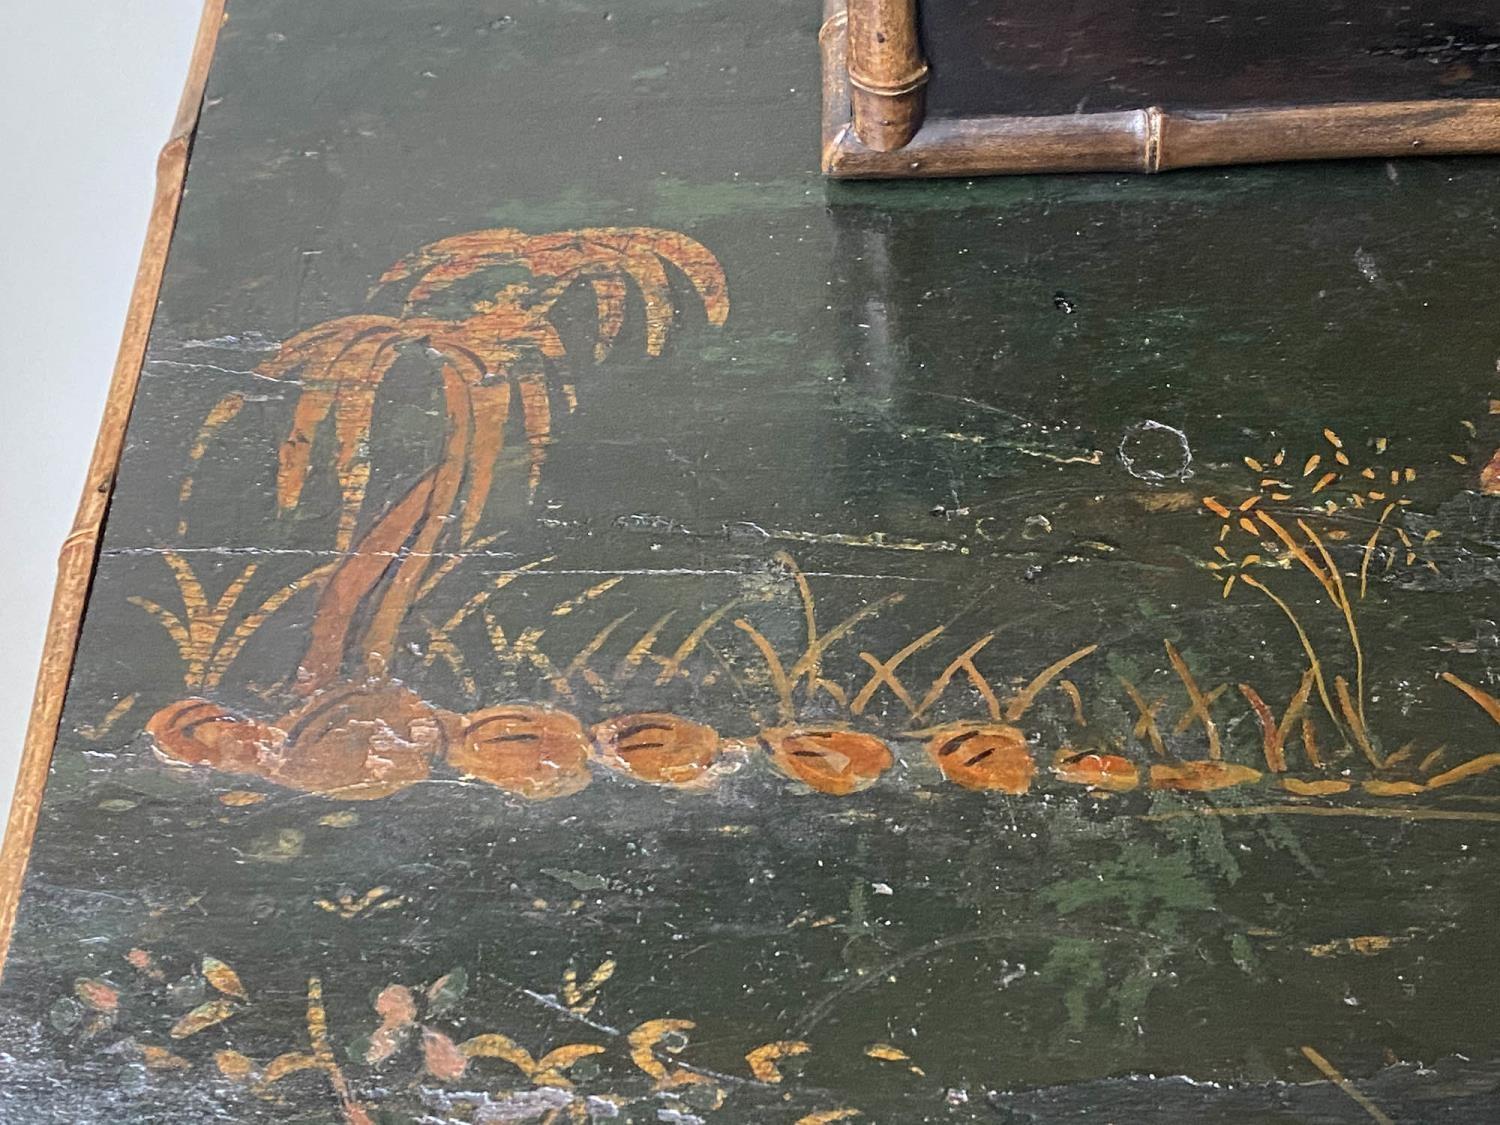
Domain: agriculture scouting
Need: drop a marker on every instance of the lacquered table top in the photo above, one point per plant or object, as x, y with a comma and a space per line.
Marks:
597, 623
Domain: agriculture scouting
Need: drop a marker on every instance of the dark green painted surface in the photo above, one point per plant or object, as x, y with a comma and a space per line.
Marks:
968, 395
1049, 57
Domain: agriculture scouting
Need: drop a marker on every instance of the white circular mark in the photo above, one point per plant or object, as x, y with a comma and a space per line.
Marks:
1155, 451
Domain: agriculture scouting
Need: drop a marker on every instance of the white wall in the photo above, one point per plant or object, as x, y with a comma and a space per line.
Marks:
87, 95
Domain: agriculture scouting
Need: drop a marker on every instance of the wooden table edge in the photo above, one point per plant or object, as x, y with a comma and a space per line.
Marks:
80, 550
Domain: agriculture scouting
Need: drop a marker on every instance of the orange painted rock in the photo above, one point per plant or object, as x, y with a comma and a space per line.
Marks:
1113, 772
657, 747
352, 741
202, 733
357, 742
535, 752
992, 757
1202, 776
830, 759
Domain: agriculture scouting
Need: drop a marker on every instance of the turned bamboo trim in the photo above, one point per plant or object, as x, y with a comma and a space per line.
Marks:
80, 549
887, 73
832, 40
1148, 140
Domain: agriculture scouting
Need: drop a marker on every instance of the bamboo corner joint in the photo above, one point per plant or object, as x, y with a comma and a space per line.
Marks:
875, 124
887, 74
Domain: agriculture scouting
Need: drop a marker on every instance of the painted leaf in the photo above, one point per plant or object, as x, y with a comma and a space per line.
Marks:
887, 1052
397, 1008
289, 1063
828, 1116
223, 978
1318, 787
159, 1058
97, 994
1489, 476
447, 991
550, 1067
496, 1046
560, 1058
647, 1036
233, 1065
764, 1058
1367, 945
1379, 787
241, 798
572, 994
203, 1016
382, 1043
395, 1005
443, 1059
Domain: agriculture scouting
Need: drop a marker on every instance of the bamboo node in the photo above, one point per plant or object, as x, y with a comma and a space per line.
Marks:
1155, 122
891, 88
82, 537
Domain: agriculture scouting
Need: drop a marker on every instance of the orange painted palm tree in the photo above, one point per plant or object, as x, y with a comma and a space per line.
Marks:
609, 259
499, 353
351, 731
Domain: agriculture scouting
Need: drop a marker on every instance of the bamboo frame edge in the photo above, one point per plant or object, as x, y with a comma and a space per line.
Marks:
79, 553
1150, 139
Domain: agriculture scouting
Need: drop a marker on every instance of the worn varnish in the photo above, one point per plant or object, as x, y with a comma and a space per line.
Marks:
596, 622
